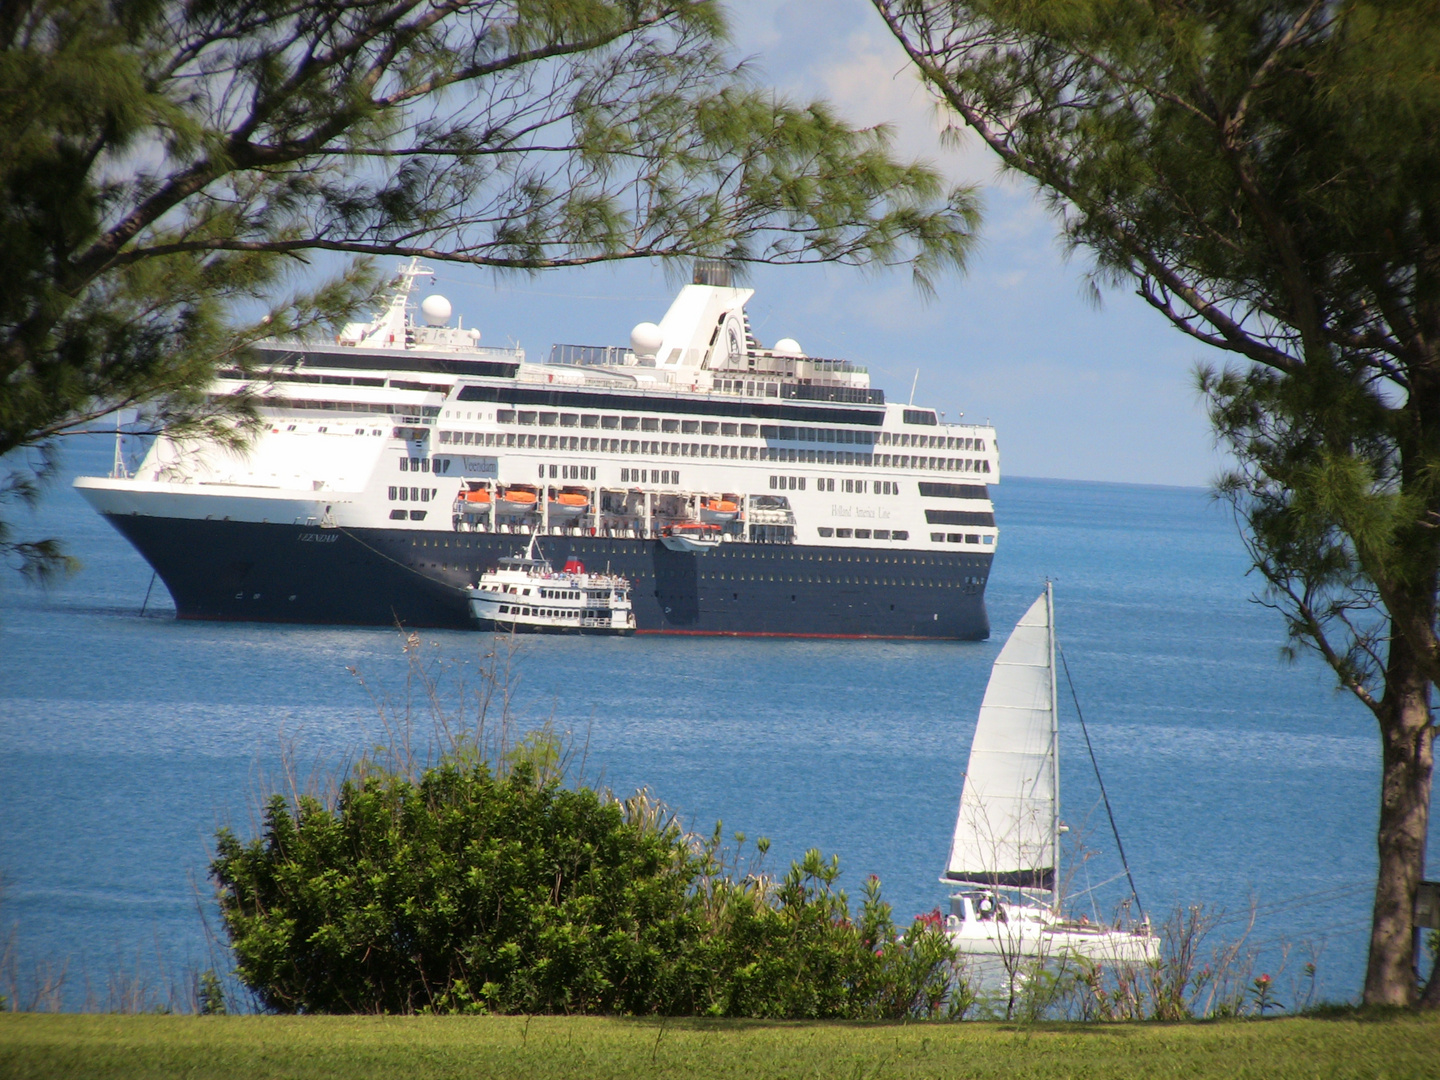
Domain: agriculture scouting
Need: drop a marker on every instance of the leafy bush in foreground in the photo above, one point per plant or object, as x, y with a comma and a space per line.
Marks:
468, 888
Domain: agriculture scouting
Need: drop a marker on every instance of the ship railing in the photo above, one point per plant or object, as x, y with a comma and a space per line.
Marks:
589, 355
771, 517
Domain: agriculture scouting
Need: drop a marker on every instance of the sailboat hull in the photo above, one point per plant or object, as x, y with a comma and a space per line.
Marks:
1033, 941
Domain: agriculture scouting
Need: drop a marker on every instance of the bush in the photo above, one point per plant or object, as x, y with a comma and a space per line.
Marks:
472, 888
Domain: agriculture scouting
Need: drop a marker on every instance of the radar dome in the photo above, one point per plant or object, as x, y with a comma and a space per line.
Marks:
788, 346
646, 339
436, 309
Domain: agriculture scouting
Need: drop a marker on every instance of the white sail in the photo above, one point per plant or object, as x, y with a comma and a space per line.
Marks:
1005, 833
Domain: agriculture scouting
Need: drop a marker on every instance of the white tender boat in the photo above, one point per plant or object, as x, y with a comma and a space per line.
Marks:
526, 594
1006, 847
691, 537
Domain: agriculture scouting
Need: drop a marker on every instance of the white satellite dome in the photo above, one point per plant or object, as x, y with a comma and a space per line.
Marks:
436, 309
646, 339
788, 346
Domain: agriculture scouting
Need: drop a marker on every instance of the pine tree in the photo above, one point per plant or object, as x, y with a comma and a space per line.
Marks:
1267, 176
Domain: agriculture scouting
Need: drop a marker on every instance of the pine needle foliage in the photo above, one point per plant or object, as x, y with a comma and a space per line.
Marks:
169, 172
1266, 175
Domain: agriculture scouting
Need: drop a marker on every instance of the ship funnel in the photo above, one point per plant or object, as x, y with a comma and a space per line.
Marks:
712, 272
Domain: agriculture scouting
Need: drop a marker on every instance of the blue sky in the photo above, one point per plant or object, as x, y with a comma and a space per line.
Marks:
1075, 391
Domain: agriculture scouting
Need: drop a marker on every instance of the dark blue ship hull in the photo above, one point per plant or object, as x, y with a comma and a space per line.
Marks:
303, 574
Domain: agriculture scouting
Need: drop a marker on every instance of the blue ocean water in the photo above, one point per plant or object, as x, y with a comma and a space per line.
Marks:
125, 739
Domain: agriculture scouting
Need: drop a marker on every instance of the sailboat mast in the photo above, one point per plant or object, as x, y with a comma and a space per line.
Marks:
1054, 754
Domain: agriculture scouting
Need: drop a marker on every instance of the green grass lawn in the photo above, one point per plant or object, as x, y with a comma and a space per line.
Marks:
401, 1048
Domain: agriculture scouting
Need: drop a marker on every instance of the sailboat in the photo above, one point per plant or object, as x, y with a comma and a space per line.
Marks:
1006, 848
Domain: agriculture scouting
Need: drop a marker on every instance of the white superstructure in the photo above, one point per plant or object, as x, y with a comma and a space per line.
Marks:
356, 439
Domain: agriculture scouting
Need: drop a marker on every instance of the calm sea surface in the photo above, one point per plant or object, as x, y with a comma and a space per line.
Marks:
124, 740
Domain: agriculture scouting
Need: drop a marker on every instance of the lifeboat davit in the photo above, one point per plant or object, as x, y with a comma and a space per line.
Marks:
518, 501
691, 536
718, 511
568, 504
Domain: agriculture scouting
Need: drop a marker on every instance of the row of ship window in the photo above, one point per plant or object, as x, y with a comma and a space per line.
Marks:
793, 577
960, 538
845, 579
733, 553
647, 423
827, 483
660, 425
552, 613
412, 494
420, 464
345, 380
727, 452
812, 579
863, 534
325, 428
403, 409
851, 486
648, 476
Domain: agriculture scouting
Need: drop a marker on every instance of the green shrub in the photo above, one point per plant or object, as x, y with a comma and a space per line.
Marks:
471, 889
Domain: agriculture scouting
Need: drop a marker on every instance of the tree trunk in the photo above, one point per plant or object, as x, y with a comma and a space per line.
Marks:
1407, 736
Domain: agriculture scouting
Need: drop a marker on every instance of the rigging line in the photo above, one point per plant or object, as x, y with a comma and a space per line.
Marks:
1287, 903
1114, 829
1293, 903
1093, 888
1270, 910
1333, 930
147, 592
390, 558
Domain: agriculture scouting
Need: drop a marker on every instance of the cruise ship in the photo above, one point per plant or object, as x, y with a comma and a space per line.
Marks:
741, 489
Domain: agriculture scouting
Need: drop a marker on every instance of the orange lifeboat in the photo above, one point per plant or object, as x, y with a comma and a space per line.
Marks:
568, 504
718, 511
474, 503
518, 500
